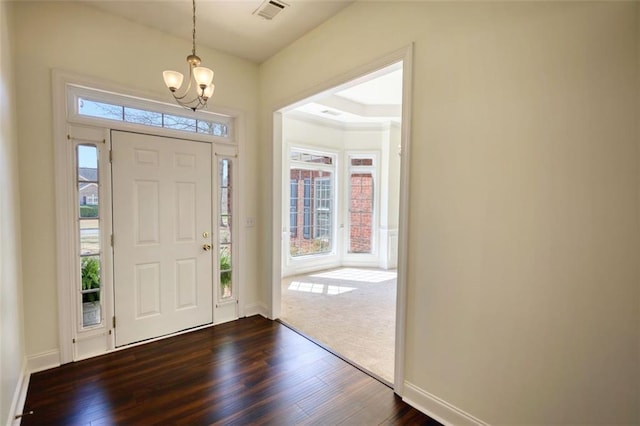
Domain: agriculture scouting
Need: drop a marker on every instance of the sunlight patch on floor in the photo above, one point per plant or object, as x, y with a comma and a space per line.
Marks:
331, 290
354, 274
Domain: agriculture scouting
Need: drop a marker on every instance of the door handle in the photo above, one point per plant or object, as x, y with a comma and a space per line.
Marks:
206, 247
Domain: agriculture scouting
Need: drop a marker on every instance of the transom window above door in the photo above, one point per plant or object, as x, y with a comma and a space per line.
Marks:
93, 106
90, 108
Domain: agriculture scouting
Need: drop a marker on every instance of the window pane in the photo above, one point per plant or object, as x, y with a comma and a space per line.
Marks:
312, 205
220, 129
310, 157
88, 199
360, 212
91, 310
225, 213
225, 271
362, 161
323, 201
89, 233
225, 189
87, 160
212, 128
225, 229
140, 116
99, 109
293, 209
89, 236
225, 221
87, 156
225, 173
179, 123
225, 202
205, 127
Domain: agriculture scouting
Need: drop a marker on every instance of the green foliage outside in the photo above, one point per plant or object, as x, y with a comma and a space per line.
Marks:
88, 211
225, 269
90, 278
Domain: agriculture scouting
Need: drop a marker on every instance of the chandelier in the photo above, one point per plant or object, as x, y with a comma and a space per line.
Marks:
200, 79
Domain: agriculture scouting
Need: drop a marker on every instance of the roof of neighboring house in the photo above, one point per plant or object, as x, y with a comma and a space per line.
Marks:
91, 187
88, 174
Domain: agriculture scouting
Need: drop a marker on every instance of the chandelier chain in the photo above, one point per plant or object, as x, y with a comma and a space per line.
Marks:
194, 27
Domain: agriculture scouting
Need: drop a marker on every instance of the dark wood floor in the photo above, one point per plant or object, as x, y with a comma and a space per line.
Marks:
250, 371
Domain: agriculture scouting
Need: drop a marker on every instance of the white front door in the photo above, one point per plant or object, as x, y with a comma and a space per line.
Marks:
162, 225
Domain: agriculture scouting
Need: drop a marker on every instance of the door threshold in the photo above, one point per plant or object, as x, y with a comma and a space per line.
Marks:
333, 352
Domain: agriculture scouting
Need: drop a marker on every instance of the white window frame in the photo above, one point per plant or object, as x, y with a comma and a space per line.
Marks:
333, 168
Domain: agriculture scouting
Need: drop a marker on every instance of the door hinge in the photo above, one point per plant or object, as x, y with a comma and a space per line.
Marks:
114, 322
111, 240
73, 340
111, 156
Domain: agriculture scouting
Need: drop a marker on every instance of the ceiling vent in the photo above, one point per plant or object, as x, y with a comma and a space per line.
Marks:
270, 8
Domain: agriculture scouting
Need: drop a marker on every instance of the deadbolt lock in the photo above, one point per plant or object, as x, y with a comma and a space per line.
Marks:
205, 234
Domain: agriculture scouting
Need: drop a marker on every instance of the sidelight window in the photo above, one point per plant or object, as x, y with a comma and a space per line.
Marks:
225, 241
88, 225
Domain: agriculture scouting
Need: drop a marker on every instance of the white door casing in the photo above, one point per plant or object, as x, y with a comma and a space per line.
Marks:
405, 55
162, 221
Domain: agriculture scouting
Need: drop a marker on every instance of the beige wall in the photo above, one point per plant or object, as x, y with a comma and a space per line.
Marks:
522, 283
638, 173
79, 38
11, 332
523, 246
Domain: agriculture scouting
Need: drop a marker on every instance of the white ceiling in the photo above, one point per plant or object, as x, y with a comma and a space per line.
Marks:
228, 25
372, 98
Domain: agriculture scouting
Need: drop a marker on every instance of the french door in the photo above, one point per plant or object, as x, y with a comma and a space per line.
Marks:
163, 235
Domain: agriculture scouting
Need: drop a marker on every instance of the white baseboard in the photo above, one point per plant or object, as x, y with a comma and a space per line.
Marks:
19, 396
438, 409
31, 364
256, 309
43, 361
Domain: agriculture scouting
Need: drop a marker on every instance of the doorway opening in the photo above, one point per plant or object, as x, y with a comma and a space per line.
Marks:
340, 213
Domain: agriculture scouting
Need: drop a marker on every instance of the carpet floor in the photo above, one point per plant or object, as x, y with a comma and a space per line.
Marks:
351, 311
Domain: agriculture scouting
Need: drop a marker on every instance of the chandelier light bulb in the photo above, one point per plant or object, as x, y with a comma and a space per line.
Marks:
173, 80
203, 76
208, 92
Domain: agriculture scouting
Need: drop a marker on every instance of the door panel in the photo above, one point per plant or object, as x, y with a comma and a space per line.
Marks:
161, 212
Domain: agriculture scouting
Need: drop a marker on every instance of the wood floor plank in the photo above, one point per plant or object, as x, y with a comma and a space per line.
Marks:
250, 371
